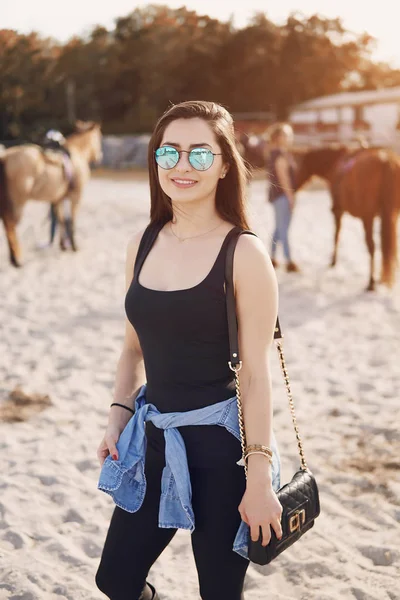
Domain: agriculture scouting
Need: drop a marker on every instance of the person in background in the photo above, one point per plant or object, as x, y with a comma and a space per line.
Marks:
281, 174
54, 140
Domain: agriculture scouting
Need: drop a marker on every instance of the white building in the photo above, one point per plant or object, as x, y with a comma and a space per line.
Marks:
344, 117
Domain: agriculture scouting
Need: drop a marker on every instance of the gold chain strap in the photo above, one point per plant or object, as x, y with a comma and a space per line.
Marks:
240, 413
291, 403
282, 361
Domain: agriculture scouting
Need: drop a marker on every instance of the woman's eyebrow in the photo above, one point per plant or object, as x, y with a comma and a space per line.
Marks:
199, 145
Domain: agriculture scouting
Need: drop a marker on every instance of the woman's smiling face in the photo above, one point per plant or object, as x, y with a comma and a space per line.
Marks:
184, 183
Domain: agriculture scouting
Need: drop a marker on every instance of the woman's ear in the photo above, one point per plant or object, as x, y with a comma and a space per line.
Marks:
224, 171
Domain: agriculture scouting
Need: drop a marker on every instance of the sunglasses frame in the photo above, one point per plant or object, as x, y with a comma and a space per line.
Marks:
187, 152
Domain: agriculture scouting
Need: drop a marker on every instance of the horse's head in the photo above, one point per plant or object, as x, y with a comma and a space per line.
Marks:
93, 134
318, 161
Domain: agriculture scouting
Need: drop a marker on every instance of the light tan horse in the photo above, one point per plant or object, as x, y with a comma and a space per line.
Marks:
27, 172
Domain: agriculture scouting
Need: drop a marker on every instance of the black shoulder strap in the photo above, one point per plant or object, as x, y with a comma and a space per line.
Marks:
231, 301
148, 238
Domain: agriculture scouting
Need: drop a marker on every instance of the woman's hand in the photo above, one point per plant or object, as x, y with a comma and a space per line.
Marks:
108, 444
117, 421
260, 507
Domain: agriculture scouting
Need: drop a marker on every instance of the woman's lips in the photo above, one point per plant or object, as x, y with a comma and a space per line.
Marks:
183, 183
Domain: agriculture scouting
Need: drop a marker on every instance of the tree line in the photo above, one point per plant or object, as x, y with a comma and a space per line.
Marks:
127, 76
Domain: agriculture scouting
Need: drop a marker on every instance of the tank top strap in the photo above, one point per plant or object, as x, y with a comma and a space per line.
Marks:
218, 271
148, 238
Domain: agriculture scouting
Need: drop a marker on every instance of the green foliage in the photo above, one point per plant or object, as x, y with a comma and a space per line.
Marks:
156, 55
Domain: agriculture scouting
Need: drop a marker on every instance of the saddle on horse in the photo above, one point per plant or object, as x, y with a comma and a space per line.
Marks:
61, 157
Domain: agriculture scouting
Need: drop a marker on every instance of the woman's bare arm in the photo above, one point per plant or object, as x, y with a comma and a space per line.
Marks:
130, 373
257, 305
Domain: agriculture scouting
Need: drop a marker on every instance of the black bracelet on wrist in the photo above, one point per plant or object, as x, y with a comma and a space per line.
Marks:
122, 406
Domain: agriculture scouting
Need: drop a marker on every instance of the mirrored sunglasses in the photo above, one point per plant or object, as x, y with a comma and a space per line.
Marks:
201, 159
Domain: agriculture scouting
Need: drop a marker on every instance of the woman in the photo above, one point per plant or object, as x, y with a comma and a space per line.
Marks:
176, 330
281, 174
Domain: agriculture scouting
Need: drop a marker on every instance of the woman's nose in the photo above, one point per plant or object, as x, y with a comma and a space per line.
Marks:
183, 163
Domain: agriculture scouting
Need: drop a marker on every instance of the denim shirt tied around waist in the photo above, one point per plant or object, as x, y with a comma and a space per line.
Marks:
125, 481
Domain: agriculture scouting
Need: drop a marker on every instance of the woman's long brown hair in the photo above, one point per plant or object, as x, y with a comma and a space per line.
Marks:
230, 199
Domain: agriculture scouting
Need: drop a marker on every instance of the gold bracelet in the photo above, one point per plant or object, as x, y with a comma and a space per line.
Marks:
258, 447
258, 452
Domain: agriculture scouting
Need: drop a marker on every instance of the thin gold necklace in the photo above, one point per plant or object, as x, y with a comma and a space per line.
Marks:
194, 236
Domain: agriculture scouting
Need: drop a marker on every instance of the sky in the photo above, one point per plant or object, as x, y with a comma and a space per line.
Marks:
65, 18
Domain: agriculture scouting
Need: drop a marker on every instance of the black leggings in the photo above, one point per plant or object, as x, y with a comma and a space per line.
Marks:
134, 540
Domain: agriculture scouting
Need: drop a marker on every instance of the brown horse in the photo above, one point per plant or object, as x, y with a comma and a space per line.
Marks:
29, 173
366, 184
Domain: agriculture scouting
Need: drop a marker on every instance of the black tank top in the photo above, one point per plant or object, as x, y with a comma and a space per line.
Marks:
184, 339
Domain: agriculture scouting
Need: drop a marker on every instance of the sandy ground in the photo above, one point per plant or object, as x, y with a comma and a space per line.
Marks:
61, 326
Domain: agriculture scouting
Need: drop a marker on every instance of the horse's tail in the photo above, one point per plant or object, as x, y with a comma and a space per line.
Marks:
6, 207
389, 212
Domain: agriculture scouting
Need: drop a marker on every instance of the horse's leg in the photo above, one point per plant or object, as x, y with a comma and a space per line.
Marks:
338, 223
10, 213
12, 239
368, 227
75, 198
59, 219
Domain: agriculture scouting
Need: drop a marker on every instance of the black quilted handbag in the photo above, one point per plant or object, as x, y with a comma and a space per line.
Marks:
299, 498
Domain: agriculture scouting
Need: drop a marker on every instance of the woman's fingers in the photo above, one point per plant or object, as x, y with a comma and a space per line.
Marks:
255, 532
263, 531
111, 444
266, 533
102, 455
107, 446
102, 452
277, 527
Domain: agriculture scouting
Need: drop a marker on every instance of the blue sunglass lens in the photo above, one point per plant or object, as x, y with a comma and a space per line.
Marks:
201, 159
167, 157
